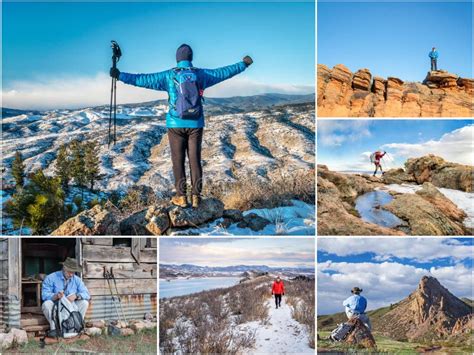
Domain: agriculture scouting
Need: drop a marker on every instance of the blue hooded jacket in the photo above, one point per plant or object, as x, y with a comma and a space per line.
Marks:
163, 81
433, 55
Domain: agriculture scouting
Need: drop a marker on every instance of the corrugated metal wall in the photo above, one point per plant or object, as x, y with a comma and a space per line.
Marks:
134, 306
3, 283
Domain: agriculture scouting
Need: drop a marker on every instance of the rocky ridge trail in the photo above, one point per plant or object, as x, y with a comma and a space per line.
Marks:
427, 211
342, 93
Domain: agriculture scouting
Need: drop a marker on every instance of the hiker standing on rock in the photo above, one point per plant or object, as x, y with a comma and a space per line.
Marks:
434, 59
185, 85
376, 157
64, 283
278, 289
355, 307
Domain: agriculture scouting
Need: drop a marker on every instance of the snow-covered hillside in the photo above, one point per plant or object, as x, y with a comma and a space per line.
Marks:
235, 144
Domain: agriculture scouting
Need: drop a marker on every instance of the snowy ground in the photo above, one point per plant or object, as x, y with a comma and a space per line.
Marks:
464, 200
281, 335
298, 219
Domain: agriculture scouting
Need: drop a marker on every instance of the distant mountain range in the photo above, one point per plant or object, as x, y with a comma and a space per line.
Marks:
173, 270
234, 104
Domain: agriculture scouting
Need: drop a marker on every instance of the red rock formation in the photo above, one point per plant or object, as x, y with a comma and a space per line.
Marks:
344, 94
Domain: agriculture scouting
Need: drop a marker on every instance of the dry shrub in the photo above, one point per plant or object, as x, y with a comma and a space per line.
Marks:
302, 302
256, 192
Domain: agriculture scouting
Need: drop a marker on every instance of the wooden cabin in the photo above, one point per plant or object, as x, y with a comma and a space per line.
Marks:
24, 262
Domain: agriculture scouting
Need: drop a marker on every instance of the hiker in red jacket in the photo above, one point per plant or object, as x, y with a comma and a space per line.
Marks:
278, 289
377, 156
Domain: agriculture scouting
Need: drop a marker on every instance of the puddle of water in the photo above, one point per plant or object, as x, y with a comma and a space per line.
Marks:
369, 207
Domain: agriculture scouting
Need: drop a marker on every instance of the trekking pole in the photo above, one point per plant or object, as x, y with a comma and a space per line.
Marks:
117, 291
116, 54
107, 277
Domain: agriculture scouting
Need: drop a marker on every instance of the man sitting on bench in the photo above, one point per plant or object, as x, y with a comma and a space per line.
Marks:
64, 283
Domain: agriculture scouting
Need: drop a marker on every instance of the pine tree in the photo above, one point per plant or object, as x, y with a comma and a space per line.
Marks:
77, 164
39, 205
91, 162
63, 167
18, 170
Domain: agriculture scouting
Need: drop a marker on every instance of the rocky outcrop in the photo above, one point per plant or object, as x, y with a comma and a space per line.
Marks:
99, 220
156, 219
342, 93
336, 213
428, 212
430, 312
434, 169
360, 335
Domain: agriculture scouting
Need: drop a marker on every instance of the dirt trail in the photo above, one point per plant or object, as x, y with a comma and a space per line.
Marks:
282, 334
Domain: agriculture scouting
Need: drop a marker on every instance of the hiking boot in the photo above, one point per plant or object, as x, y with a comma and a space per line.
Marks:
196, 200
179, 201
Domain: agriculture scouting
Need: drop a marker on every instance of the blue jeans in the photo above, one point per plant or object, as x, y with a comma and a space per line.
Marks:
434, 64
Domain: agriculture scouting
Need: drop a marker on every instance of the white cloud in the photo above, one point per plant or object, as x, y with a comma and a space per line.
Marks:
383, 283
456, 146
76, 92
419, 250
335, 133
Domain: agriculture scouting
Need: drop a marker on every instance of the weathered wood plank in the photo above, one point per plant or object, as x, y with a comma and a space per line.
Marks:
128, 286
154, 242
97, 241
33, 320
113, 254
95, 270
32, 310
14, 269
136, 249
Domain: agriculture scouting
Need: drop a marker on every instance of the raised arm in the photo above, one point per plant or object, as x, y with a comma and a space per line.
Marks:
214, 76
155, 81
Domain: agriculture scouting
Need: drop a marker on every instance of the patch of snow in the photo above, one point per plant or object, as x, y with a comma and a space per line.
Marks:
281, 334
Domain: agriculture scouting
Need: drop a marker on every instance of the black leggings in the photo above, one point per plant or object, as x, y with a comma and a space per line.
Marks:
277, 300
186, 141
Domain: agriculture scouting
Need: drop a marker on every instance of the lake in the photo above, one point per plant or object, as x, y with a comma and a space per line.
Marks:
180, 287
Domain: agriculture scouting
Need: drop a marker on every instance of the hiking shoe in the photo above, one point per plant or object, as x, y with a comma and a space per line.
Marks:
179, 201
196, 200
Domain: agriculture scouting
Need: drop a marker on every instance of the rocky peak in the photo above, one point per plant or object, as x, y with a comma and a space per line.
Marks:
359, 94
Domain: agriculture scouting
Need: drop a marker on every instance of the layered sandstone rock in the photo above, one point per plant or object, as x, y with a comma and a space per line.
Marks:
360, 335
343, 93
430, 312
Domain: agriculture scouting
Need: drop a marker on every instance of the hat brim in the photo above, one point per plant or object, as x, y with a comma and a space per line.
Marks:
71, 268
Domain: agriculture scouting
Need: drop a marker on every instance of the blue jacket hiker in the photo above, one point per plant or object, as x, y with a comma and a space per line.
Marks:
356, 305
434, 59
185, 86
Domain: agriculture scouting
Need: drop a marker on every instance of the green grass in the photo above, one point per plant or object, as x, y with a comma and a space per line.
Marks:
386, 345
141, 343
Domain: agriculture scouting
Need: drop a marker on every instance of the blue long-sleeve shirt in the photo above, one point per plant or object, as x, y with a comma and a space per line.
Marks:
356, 303
55, 282
163, 81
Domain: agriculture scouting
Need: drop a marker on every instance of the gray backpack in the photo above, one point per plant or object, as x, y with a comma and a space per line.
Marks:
67, 318
341, 332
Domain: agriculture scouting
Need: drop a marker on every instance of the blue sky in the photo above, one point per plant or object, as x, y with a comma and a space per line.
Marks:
347, 144
48, 42
394, 38
390, 269
273, 252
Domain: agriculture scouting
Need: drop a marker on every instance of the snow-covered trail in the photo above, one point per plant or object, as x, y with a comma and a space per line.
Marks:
282, 334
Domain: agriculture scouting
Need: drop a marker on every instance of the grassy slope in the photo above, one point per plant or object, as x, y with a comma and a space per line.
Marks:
142, 343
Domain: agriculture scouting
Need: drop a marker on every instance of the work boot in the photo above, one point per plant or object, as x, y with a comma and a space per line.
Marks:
53, 333
179, 201
196, 200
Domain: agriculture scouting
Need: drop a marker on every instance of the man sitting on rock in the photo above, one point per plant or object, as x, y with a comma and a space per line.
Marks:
378, 155
355, 307
185, 85
64, 283
278, 289
434, 59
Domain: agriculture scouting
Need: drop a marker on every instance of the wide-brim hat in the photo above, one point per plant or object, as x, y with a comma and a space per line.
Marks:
356, 289
71, 265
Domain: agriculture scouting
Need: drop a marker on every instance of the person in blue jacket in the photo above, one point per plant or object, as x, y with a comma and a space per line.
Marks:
185, 85
434, 59
64, 283
356, 305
